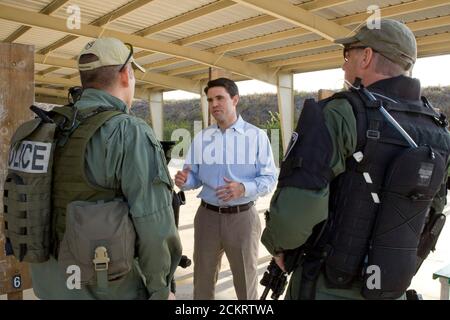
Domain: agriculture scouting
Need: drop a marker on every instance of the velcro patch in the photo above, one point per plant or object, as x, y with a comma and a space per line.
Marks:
30, 157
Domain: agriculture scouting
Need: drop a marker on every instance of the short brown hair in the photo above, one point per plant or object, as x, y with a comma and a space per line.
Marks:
100, 78
229, 85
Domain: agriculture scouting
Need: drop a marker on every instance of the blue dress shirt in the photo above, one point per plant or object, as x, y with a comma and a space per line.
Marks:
241, 153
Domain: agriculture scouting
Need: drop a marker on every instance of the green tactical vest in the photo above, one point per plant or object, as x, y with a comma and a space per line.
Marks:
27, 189
46, 173
69, 177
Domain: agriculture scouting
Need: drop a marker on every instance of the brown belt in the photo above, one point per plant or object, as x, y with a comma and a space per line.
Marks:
228, 210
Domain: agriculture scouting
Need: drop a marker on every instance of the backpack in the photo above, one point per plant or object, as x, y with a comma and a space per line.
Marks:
27, 194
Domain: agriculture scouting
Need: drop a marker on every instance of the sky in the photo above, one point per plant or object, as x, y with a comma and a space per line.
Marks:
432, 71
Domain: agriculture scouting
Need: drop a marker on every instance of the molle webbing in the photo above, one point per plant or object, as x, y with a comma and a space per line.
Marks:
70, 182
27, 189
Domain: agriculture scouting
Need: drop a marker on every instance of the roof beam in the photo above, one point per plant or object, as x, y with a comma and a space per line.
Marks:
107, 18
48, 9
205, 76
309, 58
56, 80
312, 6
148, 77
387, 12
434, 49
182, 18
42, 94
51, 92
284, 10
210, 59
187, 69
414, 26
390, 11
425, 51
429, 45
50, 99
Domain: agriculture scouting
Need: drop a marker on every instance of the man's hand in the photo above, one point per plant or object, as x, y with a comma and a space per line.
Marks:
181, 177
171, 296
279, 260
232, 190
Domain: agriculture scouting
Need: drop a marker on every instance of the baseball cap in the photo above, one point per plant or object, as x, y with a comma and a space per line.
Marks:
393, 40
110, 52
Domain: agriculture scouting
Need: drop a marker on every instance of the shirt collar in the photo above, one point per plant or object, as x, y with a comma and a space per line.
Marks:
237, 126
100, 98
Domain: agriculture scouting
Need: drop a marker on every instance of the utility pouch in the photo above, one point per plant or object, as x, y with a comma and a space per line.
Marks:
412, 180
99, 237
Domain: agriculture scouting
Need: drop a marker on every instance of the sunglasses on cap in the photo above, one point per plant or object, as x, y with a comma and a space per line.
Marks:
129, 56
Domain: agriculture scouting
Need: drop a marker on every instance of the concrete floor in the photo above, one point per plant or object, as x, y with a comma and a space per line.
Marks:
422, 282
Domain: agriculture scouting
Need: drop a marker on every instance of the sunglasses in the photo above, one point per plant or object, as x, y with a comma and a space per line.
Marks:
129, 56
349, 48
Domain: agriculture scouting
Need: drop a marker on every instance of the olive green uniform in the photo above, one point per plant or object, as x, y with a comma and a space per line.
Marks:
124, 154
290, 226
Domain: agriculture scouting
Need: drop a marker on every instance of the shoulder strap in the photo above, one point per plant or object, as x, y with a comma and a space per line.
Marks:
75, 150
368, 133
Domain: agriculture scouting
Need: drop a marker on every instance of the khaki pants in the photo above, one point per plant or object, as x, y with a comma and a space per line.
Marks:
238, 236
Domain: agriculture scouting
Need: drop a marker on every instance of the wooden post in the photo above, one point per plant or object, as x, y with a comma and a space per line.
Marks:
285, 93
16, 96
156, 106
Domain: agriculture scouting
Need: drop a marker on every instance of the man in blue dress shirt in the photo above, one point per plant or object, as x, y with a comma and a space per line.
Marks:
233, 161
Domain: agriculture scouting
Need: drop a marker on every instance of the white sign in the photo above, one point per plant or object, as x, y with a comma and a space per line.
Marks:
30, 156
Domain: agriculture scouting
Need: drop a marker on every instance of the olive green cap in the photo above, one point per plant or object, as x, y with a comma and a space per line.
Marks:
393, 40
109, 51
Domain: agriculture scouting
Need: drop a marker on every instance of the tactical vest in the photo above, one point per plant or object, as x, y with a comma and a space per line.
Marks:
45, 173
69, 176
379, 208
357, 235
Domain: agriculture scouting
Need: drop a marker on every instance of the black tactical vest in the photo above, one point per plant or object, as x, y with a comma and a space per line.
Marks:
356, 194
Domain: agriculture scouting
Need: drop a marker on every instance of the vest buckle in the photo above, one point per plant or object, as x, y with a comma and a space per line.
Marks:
373, 134
101, 259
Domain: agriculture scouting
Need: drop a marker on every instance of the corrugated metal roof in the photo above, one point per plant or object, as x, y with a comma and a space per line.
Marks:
426, 14
7, 28
214, 20
154, 12
248, 33
434, 31
40, 37
90, 9
33, 5
356, 7
280, 44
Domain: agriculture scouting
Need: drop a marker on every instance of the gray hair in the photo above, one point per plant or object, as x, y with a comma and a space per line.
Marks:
386, 67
